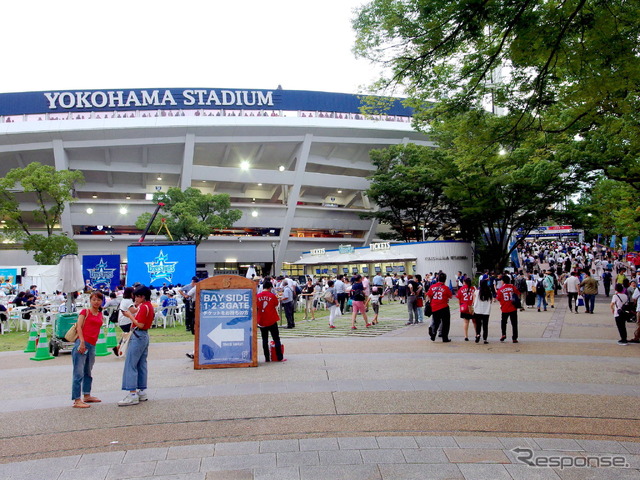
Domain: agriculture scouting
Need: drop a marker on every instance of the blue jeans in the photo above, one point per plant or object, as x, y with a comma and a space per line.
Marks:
589, 301
420, 311
134, 375
541, 301
82, 366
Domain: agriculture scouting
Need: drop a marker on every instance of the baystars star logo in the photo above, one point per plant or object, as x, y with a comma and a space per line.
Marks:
100, 274
161, 268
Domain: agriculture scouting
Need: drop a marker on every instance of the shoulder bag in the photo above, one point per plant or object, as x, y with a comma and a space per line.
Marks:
72, 333
124, 344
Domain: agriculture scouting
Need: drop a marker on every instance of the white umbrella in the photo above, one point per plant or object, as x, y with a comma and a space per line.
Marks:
70, 277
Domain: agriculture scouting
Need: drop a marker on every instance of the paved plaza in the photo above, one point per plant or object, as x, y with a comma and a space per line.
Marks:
391, 406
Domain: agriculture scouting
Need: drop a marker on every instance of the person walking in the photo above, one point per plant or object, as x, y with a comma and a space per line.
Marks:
589, 287
358, 302
482, 309
83, 355
505, 296
572, 287
331, 299
466, 297
618, 301
606, 282
134, 375
439, 295
540, 292
268, 319
308, 291
412, 292
549, 289
288, 303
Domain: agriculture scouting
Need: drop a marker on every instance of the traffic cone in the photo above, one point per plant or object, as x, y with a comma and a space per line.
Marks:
42, 352
101, 346
112, 338
31, 343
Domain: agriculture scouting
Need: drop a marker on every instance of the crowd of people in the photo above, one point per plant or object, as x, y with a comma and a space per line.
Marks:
548, 268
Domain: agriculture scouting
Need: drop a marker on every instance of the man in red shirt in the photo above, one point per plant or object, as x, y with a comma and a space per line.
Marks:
505, 295
268, 319
439, 295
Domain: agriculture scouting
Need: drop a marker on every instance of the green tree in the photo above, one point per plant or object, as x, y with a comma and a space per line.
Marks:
502, 190
611, 209
191, 215
409, 191
49, 190
562, 67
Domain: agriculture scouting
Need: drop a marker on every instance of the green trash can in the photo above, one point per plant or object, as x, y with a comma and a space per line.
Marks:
62, 324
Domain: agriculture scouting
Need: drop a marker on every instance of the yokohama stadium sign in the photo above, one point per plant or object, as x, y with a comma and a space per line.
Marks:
177, 99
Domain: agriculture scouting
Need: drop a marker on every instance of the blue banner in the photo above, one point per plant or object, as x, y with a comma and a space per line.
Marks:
636, 244
226, 324
158, 265
185, 99
101, 271
624, 243
613, 242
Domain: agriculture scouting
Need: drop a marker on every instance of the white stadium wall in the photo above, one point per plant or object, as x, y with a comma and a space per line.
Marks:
305, 181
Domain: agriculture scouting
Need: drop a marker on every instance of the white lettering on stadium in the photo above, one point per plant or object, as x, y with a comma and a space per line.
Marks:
154, 98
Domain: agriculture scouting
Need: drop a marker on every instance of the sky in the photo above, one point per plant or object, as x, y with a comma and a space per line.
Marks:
73, 45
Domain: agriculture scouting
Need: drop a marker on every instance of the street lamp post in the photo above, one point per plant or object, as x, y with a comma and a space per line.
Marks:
273, 265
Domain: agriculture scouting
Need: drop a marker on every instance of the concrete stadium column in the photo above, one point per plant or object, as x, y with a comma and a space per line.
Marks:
294, 196
61, 162
187, 161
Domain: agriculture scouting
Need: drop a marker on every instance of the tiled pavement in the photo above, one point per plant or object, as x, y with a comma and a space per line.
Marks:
393, 458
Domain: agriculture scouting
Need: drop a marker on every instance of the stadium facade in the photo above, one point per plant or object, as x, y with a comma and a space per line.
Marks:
294, 162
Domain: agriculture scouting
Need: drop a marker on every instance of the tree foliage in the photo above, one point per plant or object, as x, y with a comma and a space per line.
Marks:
409, 190
502, 190
191, 215
562, 67
610, 208
564, 75
49, 190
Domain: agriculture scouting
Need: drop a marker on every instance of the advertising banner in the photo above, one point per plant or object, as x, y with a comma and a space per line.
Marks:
226, 324
155, 265
101, 271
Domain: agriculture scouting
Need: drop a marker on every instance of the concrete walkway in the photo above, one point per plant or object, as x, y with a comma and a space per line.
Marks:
393, 406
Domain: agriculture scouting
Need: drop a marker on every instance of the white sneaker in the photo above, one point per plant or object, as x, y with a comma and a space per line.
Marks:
129, 400
142, 396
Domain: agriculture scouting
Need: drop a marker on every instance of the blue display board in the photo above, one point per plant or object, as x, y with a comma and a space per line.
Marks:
102, 271
155, 265
225, 326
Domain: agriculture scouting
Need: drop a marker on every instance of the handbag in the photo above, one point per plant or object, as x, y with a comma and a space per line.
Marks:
427, 309
419, 302
580, 301
124, 344
72, 333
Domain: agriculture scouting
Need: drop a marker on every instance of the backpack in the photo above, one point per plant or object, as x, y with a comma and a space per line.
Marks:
328, 297
357, 294
113, 317
521, 284
540, 287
